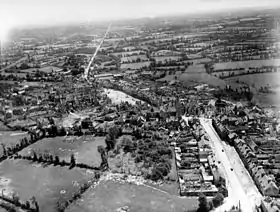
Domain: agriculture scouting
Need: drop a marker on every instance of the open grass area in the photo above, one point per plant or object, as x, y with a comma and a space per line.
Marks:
11, 138
48, 184
135, 65
84, 148
246, 64
131, 58
108, 196
255, 81
166, 58
190, 78
258, 80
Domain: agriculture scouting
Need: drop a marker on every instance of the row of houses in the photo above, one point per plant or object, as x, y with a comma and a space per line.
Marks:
193, 165
265, 183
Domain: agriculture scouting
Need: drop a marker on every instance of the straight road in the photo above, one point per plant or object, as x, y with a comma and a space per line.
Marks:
95, 53
236, 190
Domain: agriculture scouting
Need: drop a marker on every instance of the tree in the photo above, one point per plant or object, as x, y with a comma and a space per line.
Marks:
203, 204
4, 149
72, 160
35, 203
35, 158
56, 160
218, 200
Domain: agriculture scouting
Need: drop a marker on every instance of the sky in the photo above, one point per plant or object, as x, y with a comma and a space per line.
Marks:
14, 13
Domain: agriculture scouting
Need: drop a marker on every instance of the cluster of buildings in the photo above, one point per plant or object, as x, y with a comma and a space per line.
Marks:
196, 165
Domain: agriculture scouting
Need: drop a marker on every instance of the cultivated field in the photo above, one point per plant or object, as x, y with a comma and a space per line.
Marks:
11, 138
84, 148
258, 80
135, 65
49, 184
109, 196
131, 58
247, 64
166, 58
201, 78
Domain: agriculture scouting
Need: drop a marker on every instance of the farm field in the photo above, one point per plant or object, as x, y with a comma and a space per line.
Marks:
198, 61
131, 58
108, 196
49, 184
246, 64
202, 78
11, 138
258, 80
124, 54
166, 58
135, 65
195, 69
84, 148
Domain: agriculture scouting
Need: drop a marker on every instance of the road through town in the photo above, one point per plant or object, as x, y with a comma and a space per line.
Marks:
236, 190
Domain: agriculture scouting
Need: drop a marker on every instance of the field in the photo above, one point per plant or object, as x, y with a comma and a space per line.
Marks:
117, 97
196, 69
84, 148
48, 185
108, 196
131, 58
258, 80
166, 58
246, 64
135, 65
11, 138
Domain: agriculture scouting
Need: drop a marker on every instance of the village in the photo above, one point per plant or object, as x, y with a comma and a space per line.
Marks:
159, 109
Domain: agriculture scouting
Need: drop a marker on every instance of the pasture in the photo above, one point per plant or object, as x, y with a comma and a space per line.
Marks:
255, 81
11, 138
166, 58
84, 148
246, 64
135, 65
47, 184
108, 196
135, 57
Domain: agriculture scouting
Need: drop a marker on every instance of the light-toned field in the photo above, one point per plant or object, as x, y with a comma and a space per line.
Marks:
108, 196
195, 69
247, 64
127, 53
117, 96
131, 58
45, 184
11, 138
135, 65
84, 148
201, 78
258, 80
166, 58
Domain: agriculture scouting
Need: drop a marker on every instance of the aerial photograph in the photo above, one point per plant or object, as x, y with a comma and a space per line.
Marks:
139, 106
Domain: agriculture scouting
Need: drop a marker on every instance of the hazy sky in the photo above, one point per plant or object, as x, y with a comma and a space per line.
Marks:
24, 12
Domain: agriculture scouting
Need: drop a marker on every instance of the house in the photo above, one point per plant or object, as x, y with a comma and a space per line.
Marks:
270, 205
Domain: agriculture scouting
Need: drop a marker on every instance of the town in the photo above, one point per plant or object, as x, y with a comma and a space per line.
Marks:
164, 114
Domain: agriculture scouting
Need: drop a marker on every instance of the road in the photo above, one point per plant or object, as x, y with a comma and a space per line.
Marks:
95, 53
236, 190
13, 64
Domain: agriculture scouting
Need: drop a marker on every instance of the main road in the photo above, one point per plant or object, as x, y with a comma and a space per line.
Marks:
96, 51
237, 191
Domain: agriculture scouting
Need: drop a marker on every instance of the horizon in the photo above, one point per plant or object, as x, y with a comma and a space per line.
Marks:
43, 13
